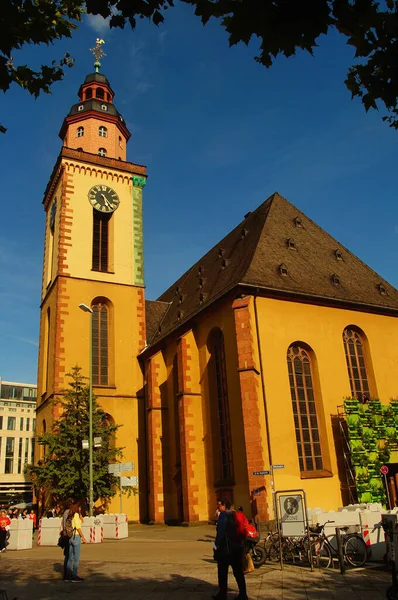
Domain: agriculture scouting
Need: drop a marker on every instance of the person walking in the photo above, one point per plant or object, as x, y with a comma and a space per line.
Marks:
5, 523
229, 551
73, 529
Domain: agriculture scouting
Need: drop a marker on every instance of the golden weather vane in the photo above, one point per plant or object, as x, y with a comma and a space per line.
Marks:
98, 53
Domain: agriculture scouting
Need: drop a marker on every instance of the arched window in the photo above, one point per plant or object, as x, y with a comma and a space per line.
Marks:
99, 93
217, 348
354, 354
100, 343
102, 131
100, 256
89, 93
80, 131
304, 409
102, 151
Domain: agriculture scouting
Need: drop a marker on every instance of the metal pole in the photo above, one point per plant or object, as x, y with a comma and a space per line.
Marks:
340, 551
121, 494
388, 491
90, 440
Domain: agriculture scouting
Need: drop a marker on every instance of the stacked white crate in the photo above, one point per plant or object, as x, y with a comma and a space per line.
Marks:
49, 530
115, 526
21, 531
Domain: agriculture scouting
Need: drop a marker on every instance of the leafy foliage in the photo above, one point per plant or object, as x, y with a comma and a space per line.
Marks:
64, 471
281, 26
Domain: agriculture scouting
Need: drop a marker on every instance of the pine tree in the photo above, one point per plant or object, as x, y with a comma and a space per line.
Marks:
64, 470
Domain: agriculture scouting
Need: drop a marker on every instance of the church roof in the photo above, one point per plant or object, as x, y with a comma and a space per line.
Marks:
154, 312
282, 253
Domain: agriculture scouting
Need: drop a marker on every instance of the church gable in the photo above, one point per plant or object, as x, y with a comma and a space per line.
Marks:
279, 250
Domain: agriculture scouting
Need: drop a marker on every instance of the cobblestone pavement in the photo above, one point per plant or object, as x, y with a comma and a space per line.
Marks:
156, 563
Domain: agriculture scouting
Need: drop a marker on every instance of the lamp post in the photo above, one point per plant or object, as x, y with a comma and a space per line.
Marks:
87, 309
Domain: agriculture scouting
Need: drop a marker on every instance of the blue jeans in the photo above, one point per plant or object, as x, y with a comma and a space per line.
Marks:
74, 556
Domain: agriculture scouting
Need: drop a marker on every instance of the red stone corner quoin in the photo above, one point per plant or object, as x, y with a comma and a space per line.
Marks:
250, 388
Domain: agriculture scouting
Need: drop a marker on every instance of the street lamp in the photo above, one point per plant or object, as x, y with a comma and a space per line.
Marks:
87, 309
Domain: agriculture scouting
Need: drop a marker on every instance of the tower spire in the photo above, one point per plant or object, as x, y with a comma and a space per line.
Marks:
98, 53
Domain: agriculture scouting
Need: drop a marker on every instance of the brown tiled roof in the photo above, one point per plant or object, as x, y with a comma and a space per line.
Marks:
154, 312
282, 252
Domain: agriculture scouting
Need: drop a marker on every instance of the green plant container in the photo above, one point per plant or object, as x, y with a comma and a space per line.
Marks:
375, 406
365, 497
394, 406
351, 405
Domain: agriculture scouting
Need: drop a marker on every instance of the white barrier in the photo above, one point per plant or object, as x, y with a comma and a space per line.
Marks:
364, 519
115, 526
21, 531
49, 530
92, 530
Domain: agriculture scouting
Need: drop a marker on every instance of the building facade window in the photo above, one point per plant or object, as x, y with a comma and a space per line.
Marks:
100, 339
27, 424
11, 422
21, 424
89, 93
224, 426
100, 241
20, 455
99, 93
80, 131
102, 131
9, 462
356, 365
304, 409
1, 422
102, 151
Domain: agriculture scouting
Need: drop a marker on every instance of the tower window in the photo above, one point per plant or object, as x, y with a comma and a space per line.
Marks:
120, 141
104, 107
99, 93
80, 107
89, 93
102, 131
100, 343
80, 131
102, 151
100, 241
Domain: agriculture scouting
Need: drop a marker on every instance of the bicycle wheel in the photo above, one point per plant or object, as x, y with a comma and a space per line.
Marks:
355, 551
321, 554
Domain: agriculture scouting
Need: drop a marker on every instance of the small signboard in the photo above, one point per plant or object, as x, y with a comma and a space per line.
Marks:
118, 468
278, 466
292, 515
384, 469
129, 481
261, 472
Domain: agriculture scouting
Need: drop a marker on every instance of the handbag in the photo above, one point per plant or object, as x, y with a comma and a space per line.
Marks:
247, 563
63, 540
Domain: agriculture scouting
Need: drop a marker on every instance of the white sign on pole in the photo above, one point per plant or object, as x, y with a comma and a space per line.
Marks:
114, 469
118, 468
129, 481
292, 515
126, 467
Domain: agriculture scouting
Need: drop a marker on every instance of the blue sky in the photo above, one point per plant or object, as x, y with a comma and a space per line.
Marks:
219, 133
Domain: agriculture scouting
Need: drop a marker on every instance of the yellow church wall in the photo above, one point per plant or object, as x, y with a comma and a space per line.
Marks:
280, 324
79, 253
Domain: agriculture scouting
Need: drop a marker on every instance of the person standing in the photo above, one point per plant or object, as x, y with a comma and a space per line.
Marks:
229, 552
73, 526
32, 517
5, 523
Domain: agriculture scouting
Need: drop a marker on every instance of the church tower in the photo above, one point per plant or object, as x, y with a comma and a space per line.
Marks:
93, 255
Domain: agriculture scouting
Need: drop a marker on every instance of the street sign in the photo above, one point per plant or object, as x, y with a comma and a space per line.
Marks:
118, 468
129, 481
278, 466
384, 469
292, 515
127, 466
85, 444
261, 472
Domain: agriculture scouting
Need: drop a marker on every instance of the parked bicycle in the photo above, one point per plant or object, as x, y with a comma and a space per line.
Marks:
323, 551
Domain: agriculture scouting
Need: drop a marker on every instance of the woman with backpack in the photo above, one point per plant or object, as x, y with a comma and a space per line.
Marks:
73, 531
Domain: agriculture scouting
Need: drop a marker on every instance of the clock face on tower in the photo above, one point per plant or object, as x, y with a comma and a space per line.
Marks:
103, 198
